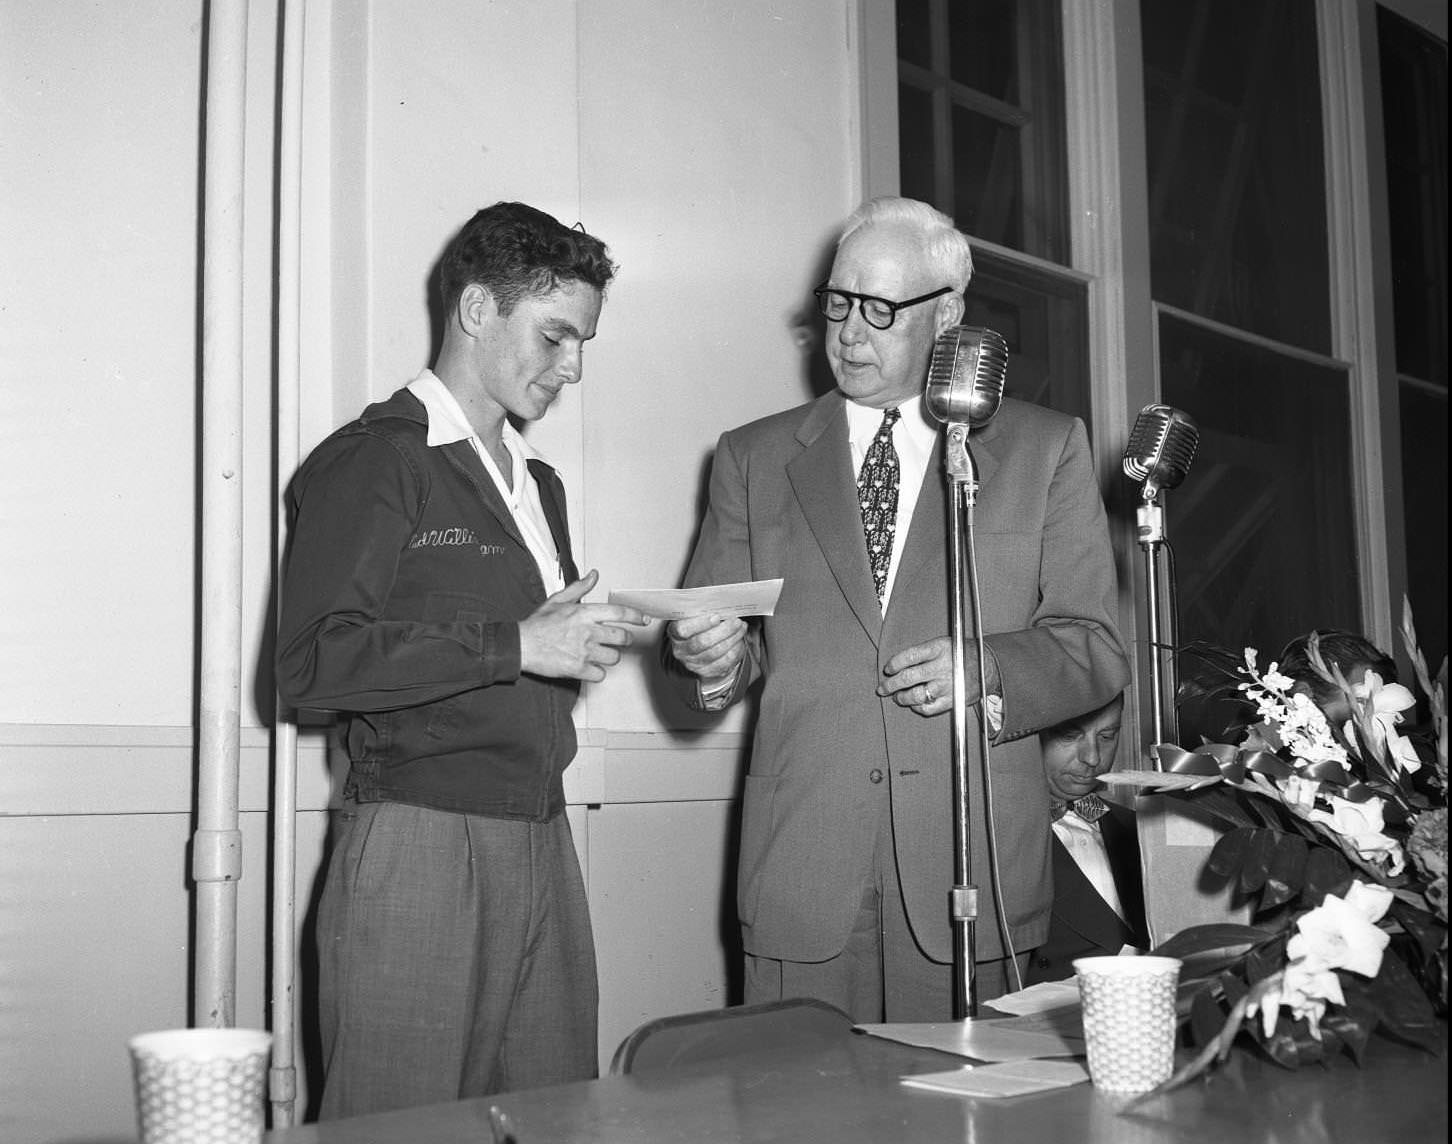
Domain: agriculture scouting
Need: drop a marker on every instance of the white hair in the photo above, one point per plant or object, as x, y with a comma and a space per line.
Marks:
944, 245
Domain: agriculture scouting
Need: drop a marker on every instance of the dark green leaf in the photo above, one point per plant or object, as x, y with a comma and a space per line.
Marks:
1405, 1011
1255, 865
1327, 872
1207, 1017
1428, 932
1287, 871
1216, 936
1228, 854
1354, 1021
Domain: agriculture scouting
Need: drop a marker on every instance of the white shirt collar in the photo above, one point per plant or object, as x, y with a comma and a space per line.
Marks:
863, 422
447, 422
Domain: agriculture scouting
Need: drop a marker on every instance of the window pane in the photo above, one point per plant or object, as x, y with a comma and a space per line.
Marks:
983, 46
986, 202
985, 80
1414, 112
1263, 527
1236, 169
914, 36
1044, 321
1424, 508
915, 143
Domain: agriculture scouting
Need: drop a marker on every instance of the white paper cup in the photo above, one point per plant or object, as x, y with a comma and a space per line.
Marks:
200, 1086
1129, 1020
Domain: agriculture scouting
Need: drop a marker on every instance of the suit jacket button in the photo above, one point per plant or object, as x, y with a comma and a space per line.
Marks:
874, 775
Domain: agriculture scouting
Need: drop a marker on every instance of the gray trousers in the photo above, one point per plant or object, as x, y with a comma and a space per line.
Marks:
455, 959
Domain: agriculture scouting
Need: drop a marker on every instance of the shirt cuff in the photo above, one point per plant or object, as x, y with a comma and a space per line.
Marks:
993, 710
716, 694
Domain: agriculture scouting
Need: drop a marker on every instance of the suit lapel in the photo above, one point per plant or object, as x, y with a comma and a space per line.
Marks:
1078, 906
826, 489
1121, 843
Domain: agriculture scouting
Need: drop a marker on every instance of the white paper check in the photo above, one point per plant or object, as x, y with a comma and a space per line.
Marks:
750, 598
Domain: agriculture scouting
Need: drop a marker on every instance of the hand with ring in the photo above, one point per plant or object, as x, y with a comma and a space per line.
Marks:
921, 677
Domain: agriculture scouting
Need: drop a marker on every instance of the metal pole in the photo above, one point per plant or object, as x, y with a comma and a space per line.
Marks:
217, 843
963, 901
1151, 520
282, 1079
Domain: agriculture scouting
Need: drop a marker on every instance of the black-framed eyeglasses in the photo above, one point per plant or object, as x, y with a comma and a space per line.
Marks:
877, 312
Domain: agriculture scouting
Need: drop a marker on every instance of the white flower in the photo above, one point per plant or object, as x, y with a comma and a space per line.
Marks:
1299, 794
1360, 823
1303, 990
1380, 706
1341, 933
1275, 680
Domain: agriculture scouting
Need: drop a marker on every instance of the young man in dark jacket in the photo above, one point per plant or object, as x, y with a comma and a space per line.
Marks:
430, 596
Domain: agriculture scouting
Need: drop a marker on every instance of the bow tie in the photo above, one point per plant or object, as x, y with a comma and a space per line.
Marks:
1091, 808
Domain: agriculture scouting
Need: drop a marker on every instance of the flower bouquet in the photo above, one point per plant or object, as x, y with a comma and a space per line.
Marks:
1339, 836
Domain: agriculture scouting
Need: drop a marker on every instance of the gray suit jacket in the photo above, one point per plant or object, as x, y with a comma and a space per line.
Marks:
827, 750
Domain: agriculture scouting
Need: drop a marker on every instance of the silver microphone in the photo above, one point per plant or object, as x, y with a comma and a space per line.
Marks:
965, 376
1161, 448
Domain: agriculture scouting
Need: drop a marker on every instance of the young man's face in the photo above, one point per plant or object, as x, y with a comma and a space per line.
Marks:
527, 356
1076, 753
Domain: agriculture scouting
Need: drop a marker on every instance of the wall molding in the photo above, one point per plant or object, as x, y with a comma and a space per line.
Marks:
50, 769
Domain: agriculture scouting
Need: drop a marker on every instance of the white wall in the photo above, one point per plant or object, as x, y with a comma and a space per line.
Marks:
713, 146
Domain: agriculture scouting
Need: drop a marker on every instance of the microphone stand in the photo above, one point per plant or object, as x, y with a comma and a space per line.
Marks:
1151, 529
963, 488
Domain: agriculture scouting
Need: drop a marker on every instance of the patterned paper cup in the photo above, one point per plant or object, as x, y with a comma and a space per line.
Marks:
200, 1086
1129, 1020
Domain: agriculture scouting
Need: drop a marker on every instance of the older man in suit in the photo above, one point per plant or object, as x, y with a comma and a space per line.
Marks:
1098, 891
847, 834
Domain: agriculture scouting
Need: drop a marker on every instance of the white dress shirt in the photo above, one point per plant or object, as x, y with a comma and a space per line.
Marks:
1085, 845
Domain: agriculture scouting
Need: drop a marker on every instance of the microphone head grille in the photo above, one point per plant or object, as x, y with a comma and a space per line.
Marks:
966, 374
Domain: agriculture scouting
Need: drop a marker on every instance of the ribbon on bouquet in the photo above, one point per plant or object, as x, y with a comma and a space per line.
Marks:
1233, 764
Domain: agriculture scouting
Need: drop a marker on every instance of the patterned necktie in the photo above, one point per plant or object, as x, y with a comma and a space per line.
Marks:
1091, 808
877, 497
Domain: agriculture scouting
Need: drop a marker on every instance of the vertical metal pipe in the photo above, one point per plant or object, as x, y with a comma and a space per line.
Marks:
282, 1081
217, 844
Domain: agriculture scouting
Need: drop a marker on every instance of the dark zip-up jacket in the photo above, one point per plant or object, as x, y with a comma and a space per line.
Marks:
402, 591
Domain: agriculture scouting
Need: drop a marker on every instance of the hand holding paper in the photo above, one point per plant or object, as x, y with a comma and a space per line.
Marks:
751, 598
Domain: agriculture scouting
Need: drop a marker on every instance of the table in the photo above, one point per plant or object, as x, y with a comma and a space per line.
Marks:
849, 1093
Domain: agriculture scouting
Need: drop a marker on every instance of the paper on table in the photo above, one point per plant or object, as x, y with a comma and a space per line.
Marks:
1013, 1078
1037, 998
750, 598
982, 1040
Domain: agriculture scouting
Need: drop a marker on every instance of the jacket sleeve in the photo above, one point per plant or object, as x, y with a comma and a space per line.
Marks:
356, 503
1069, 659
722, 556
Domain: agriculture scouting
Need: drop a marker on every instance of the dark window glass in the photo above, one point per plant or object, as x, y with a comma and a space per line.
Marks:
1236, 168
1043, 318
986, 192
915, 143
981, 118
914, 37
1424, 508
1263, 527
1414, 111
983, 42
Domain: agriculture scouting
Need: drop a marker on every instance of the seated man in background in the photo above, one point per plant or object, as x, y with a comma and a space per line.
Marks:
1350, 654
1098, 899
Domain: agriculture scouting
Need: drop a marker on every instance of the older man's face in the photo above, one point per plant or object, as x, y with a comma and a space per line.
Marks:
884, 368
1076, 753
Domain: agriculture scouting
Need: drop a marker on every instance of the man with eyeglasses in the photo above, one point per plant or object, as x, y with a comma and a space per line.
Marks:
847, 834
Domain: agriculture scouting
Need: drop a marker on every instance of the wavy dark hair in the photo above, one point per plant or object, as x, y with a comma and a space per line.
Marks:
515, 251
